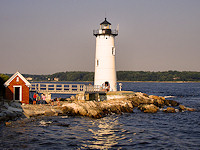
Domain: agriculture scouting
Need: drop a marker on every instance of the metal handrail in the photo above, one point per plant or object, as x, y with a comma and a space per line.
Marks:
64, 88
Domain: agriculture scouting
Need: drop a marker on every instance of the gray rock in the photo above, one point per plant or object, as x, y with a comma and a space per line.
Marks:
14, 109
9, 113
6, 105
2, 114
15, 104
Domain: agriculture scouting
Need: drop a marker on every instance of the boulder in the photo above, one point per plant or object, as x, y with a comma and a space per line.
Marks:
158, 101
146, 95
39, 112
167, 102
3, 117
173, 103
15, 104
94, 113
15, 109
154, 97
75, 109
136, 101
9, 113
6, 105
29, 113
142, 95
130, 105
182, 107
127, 108
82, 111
57, 111
148, 108
67, 110
2, 114
115, 109
190, 109
169, 110
48, 113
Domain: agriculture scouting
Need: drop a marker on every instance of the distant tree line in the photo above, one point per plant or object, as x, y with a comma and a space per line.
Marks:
3, 79
73, 76
158, 76
121, 76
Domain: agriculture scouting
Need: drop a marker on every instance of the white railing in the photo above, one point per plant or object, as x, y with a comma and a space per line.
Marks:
93, 88
63, 88
57, 88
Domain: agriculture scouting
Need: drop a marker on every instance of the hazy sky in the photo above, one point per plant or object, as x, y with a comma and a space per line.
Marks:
48, 36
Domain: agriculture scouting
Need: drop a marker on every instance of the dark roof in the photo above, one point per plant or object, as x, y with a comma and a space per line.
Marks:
105, 22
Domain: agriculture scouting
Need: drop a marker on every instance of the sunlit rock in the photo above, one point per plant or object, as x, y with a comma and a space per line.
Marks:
148, 108
182, 107
190, 109
169, 110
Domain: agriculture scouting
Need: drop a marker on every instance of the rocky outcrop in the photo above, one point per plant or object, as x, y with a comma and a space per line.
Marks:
124, 102
10, 110
97, 109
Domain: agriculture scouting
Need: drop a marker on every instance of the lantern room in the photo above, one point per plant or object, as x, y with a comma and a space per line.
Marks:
105, 25
105, 29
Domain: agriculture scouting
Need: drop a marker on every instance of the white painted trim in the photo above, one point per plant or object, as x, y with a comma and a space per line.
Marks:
7, 83
20, 92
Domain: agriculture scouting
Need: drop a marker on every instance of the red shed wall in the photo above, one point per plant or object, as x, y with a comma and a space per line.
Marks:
25, 90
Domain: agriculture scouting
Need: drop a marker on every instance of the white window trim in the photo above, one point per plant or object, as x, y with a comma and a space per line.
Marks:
113, 51
20, 90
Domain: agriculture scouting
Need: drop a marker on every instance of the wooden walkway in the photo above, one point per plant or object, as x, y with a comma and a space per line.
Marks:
63, 88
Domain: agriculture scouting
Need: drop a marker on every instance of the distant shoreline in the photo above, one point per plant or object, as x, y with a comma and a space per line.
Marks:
129, 76
130, 81
163, 81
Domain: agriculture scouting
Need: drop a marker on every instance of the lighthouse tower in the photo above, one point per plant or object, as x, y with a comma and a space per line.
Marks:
105, 73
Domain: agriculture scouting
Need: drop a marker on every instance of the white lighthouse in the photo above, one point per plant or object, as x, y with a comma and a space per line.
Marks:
105, 72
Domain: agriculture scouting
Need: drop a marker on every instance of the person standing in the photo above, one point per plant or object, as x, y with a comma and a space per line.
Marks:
58, 101
34, 98
37, 99
43, 98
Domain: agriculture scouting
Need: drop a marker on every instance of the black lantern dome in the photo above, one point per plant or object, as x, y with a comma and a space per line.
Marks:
105, 22
105, 29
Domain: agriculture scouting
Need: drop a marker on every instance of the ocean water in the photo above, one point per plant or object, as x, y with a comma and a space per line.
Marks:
135, 130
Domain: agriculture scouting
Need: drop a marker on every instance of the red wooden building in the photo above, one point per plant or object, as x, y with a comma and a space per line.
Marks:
17, 88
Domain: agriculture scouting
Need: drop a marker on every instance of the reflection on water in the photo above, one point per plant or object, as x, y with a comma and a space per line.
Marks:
104, 133
128, 131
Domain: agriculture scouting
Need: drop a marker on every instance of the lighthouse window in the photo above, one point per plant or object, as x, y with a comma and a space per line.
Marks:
113, 51
97, 62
